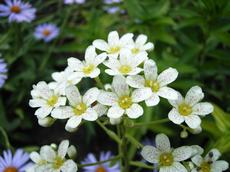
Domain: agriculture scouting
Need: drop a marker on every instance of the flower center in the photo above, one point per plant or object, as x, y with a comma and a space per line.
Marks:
205, 167
58, 162
88, 69
166, 159
101, 169
135, 50
125, 102
10, 169
185, 109
52, 100
124, 69
15, 9
80, 109
114, 50
154, 85
46, 32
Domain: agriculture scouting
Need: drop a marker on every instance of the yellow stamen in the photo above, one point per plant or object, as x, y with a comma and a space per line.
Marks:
125, 69
205, 167
166, 159
58, 162
88, 69
154, 85
125, 102
185, 109
52, 101
114, 50
80, 109
135, 50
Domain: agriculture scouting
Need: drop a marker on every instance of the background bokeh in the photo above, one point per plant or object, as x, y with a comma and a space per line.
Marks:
192, 36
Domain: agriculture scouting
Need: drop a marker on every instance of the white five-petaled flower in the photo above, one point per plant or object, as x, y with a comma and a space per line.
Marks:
168, 159
140, 45
127, 64
80, 107
87, 68
114, 44
51, 160
210, 163
45, 99
64, 79
122, 100
187, 109
157, 83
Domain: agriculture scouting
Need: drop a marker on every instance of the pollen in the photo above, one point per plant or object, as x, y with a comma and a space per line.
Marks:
52, 100
205, 167
125, 69
166, 159
88, 69
46, 32
58, 162
15, 9
125, 102
135, 50
185, 109
101, 169
114, 50
80, 109
154, 85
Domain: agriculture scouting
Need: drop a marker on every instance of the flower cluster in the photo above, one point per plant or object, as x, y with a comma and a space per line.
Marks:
170, 159
3, 70
52, 158
135, 79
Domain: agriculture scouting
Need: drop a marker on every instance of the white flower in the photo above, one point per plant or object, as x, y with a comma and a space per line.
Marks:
45, 99
167, 158
64, 79
87, 68
114, 44
157, 83
127, 64
122, 100
80, 107
50, 160
210, 163
140, 45
187, 109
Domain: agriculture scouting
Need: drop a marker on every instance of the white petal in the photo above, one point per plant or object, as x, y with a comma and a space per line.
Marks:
150, 154
213, 155
175, 116
90, 115
115, 121
75, 64
153, 100
196, 150
107, 98
43, 112
37, 103
61, 101
194, 95
182, 153
112, 72
46, 122
62, 112
112, 63
35, 157
220, 166
141, 94
138, 59
149, 46
100, 109
69, 166
202, 109
141, 39
91, 96
178, 167
167, 76
150, 70
163, 143
113, 38
100, 58
63, 148
100, 44
126, 38
115, 112
119, 85
134, 111
47, 153
178, 101
193, 121
73, 95
94, 73
73, 122
135, 81
168, 93
72, 152
90, 54
197, 160
135, 71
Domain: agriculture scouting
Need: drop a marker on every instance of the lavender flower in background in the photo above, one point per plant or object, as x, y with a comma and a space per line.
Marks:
18, 162
74, 1
46, 32
105, 167
112, 1
3, 70
112, 10
17, 11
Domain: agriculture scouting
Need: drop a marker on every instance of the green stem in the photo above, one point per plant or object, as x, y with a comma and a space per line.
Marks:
141, 165
100, 162
141, 124
99, 82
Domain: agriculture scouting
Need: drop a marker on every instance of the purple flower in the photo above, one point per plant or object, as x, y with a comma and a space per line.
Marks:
17, 11
3, 70
14, 163
74, 1
46, 32
112, 10
112, 1
105, 167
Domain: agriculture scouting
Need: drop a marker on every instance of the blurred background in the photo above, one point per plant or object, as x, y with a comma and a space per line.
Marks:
191, 36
